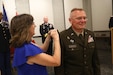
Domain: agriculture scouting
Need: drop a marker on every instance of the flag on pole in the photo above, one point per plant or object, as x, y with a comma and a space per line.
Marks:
5, 19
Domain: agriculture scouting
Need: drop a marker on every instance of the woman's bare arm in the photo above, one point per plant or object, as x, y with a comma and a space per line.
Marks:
45, 59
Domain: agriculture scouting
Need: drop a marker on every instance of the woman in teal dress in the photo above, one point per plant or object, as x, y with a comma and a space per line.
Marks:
29, 58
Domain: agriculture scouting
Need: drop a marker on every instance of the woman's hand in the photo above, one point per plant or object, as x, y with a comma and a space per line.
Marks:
54, 34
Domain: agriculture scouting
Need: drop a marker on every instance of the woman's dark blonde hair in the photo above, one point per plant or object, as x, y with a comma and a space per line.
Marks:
19, 29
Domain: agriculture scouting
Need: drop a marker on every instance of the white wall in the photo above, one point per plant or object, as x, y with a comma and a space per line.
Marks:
101, 12
0, 5
22, 6
58, 12
68, 5
39, 9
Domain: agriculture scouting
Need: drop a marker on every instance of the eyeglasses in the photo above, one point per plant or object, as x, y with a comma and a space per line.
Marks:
80, 18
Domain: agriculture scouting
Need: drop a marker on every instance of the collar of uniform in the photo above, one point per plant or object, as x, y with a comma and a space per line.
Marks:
78, 33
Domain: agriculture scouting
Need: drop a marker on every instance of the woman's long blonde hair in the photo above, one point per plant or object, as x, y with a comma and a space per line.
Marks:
19, 29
